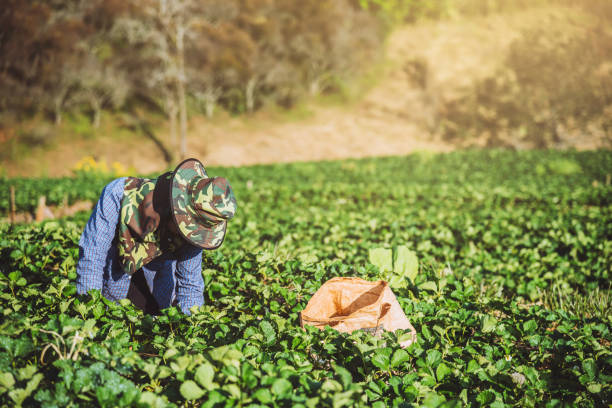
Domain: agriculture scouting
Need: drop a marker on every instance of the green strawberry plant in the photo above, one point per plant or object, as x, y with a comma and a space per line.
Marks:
487, 252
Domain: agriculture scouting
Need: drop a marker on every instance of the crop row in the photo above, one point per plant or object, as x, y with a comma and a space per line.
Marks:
471, 169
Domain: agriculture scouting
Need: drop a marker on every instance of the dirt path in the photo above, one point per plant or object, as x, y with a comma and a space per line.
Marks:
427, 63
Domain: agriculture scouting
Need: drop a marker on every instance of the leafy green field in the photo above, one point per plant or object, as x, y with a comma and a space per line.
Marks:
511, 302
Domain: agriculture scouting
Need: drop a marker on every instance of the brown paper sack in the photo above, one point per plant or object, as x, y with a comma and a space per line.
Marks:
348, 304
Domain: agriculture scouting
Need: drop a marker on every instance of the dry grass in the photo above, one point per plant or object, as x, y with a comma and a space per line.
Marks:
597, 303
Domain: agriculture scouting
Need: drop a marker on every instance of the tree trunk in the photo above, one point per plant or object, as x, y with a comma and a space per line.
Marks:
210, 100
58, 117
183, 119
57, 111
96, 120
167, 153
58, 104
316, 78
250, 94
96, 106
180, 35
172, 110
138, 124
315, 87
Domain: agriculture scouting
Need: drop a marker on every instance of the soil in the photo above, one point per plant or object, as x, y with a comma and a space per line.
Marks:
426, 63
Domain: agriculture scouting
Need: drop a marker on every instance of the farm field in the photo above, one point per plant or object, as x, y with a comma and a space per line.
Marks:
511, 299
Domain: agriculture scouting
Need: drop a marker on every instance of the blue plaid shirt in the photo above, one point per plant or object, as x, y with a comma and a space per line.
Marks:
178, 277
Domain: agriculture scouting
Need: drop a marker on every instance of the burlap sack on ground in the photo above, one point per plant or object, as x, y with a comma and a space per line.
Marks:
348, 304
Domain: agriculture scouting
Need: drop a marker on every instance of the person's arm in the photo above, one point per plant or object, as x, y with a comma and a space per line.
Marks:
189, 281
97, 237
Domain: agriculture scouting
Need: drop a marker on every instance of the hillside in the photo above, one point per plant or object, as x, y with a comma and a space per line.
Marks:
427, 64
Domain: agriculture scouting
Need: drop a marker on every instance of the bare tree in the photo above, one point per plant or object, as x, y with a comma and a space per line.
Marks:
260, 71
154, 73
266, 44
94, 54
100, 86
175, 20
57, 92
208, 97
219, 60
166, 29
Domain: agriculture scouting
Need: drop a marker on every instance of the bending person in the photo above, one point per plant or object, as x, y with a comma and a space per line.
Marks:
144, 238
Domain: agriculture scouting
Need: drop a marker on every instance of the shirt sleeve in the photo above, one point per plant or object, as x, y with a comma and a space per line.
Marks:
189, 281
98, 236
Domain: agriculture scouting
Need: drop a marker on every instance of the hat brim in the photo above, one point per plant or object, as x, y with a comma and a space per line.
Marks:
183, 212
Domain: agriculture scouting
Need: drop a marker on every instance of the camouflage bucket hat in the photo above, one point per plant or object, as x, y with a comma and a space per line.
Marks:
201, 205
